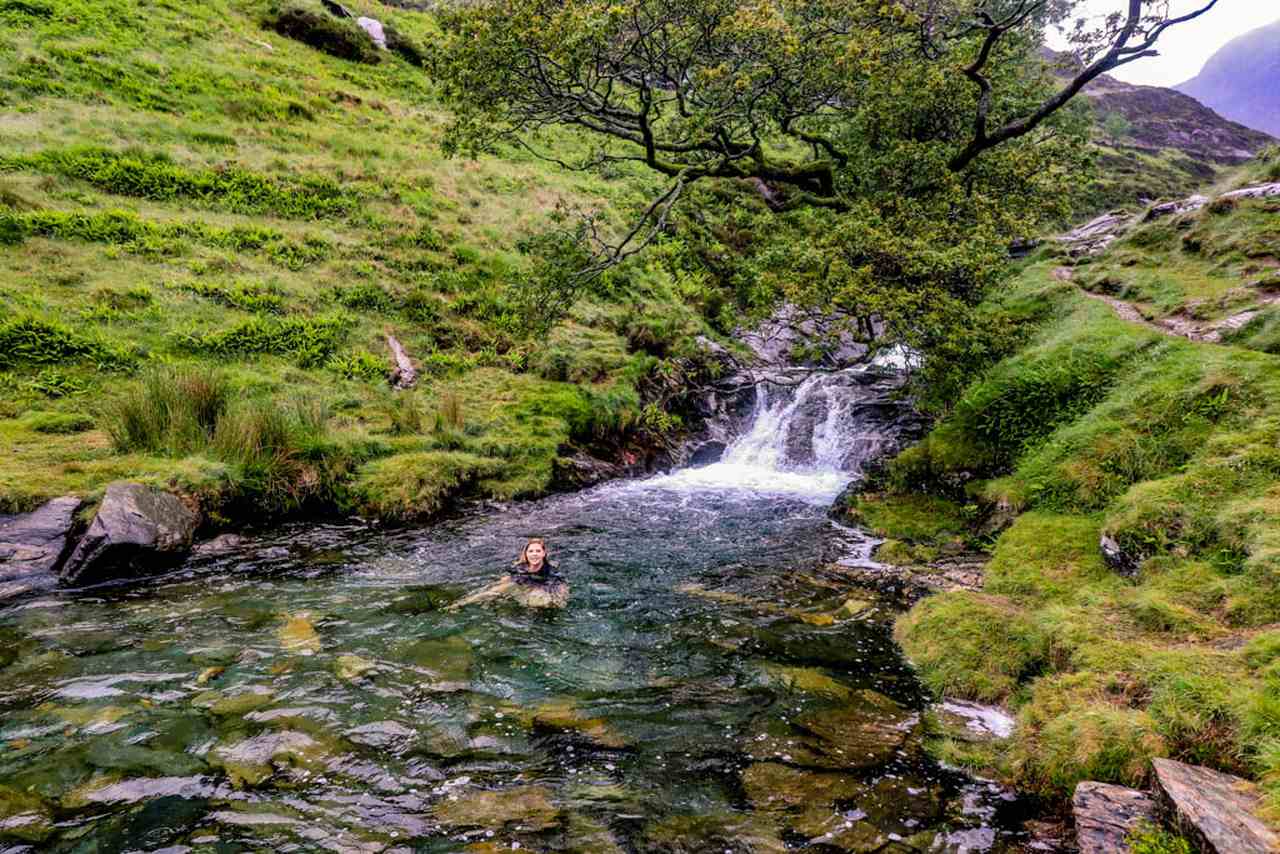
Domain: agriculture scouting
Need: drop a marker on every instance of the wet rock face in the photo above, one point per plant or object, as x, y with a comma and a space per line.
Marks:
809, 414
1218, 810
1106, 815
33, 545
137, 530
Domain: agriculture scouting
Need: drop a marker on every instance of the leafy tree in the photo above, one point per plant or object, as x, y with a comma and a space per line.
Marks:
907, 141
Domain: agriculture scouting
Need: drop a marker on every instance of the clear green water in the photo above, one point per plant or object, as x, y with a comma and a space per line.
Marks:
709, 688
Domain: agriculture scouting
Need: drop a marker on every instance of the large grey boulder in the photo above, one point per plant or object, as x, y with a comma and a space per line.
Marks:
1218, 810
138, 530
1106, 815
33, 545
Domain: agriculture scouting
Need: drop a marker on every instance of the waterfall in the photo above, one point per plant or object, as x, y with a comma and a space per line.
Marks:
810, 434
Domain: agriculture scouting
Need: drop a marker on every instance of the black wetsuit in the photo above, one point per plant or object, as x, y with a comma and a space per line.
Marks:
546, 575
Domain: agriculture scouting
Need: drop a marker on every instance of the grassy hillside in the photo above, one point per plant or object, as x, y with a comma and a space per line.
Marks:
1097, 426
206, 231
1205, 265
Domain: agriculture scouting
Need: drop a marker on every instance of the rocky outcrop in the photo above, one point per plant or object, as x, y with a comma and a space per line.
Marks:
1096, 235
1092, 238
34, 545
1263, 191
1107, 815
1218, 810
137, 530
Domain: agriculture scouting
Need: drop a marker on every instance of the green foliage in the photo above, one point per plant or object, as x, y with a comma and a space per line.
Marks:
154, 176
311, 339
359, 365
971, 645
247, 296
364, 297
29, 340
1149, 839
912, 517
1046, 556
156, 240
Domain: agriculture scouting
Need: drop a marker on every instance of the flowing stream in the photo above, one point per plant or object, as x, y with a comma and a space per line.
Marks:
713, 686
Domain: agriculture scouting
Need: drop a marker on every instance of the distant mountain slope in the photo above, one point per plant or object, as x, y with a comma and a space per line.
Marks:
1155, 142
1242, 81
1153, 118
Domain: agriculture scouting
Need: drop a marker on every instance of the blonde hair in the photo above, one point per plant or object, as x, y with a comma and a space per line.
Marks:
523, 560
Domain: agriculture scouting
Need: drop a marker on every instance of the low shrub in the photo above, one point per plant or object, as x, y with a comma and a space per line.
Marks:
358, 365
312, 340
246, 296
282, 451
156, 240
29, 340
341, 39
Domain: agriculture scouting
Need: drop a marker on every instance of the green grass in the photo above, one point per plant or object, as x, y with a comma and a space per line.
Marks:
1200, 266
181, 187
1167, 446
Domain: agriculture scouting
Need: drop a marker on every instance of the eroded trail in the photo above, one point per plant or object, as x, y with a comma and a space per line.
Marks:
714, 685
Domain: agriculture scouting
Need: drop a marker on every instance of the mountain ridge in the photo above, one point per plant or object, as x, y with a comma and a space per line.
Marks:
1239, 81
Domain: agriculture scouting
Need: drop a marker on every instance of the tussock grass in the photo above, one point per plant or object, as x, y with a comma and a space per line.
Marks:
170, 411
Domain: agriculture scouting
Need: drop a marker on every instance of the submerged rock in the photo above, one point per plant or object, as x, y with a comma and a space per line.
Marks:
809, 680
254, 760
867, 729
24, 817
1106, 815
714, 833
564, 716
352, 667
1220, 811
773, 786
34, 545
445, 662
137, 530
524, 809
298, 635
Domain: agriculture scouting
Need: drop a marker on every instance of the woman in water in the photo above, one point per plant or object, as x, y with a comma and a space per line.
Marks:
533, 583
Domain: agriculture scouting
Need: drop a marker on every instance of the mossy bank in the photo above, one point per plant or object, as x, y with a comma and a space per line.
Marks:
208, 229
1096, 428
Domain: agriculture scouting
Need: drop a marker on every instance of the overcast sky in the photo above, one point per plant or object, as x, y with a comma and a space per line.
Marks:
1185, 48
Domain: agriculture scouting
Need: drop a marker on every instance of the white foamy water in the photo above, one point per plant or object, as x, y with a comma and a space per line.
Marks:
762, 459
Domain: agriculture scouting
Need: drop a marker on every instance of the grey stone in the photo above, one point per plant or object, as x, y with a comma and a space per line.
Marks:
1263, 191
1106, 815
223, 544
1187, 205
34, 545
137, 530
1220, 811
1117, 558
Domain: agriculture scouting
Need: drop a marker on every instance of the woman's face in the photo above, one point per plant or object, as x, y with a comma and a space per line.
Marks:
535, 553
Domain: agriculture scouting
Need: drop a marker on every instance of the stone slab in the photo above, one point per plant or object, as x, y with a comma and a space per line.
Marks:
1217, 810
33, 545
1106, 815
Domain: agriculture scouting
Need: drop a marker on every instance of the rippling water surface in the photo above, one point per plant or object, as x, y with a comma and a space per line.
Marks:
711, 687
